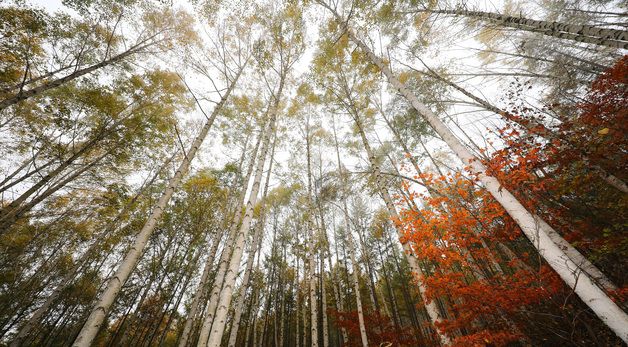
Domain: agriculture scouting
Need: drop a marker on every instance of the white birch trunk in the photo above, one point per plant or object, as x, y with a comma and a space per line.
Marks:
208, 317
199, 294
354, 267
582, 33
312, 243
312, 294
101, 309
233, 335
324, 302
297, 302
356, 283
335, 287
219, 321
210, 310
237, 315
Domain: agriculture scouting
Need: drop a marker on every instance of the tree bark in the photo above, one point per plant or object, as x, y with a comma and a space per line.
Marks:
199, 293
210, 310
354, 270
218, 324
312, 243
614, 38
255, 244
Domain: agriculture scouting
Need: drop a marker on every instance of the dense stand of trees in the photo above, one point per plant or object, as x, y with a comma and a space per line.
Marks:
313, 173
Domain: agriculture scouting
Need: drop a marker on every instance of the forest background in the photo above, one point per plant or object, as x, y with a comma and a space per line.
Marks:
316, 173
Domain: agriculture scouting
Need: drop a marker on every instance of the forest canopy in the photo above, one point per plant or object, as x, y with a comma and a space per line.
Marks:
313, 173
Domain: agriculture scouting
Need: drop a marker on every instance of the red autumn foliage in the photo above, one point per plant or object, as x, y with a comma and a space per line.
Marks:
461, 232
453, 233
552, 171
380, 331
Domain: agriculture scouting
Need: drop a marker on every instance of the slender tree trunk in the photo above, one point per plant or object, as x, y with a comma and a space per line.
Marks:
101, 309
354, 270
175, 308
218, 325
356, 282
255, 244
226, 253
367, 266
582, 33
252, 316
174, 286
270, 285
198, 294
23, 95
570, 272
324, 303
334, 281
312, 243
297, 300
394, 312
224, 259
282, 299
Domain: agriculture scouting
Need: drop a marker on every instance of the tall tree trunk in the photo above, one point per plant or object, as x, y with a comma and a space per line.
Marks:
324, 303
282, 300
334, 281
312, 242
23, 95
199, 293
354, 266
101, 309
255, 244
584, 286
176, 306
218, 324
297, 301
271, 283
356, 281
394, 312
368, 267
210, 310
582, 33
174, 285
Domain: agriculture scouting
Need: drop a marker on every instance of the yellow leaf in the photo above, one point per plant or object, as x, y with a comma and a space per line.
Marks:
403, 77
603, 131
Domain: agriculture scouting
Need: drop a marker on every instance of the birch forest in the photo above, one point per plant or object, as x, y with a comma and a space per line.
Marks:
318, 173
